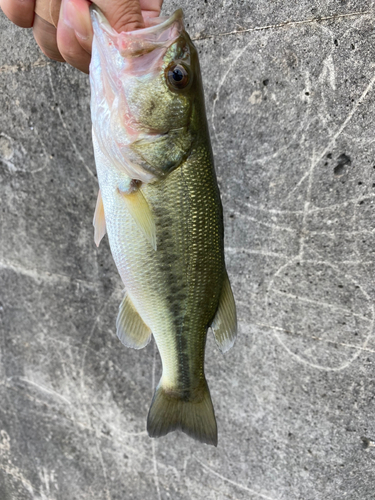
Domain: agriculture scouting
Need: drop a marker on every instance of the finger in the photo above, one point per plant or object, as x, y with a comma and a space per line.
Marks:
150, 8
121, 15
20, 12
67, 41
48, 10
75, 14
45, 36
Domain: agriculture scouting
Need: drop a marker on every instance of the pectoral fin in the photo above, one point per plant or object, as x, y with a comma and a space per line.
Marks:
99, 220
224, 323
141, 213
131, 329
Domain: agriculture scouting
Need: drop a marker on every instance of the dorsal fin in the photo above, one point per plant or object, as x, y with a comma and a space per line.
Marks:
131, 329
224, 323
99, 220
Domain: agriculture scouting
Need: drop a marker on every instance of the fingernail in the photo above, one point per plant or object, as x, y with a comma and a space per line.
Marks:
65, 13
81, 35
74, 17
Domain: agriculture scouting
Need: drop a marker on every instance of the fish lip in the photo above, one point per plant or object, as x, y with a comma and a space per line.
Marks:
177, 16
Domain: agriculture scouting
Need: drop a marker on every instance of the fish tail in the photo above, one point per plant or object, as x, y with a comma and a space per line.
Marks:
194, 415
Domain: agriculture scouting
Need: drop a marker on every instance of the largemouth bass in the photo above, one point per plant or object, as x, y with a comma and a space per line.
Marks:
160, 206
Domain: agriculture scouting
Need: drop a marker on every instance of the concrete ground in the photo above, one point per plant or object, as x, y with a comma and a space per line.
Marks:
290, 96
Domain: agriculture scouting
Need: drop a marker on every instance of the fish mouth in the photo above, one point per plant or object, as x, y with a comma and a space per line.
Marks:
160, 32
154, 25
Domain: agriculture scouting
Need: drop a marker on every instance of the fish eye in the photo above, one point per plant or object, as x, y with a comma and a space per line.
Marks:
178, 76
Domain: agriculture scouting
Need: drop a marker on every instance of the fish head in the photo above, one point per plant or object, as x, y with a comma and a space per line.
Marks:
146, 95
161, 98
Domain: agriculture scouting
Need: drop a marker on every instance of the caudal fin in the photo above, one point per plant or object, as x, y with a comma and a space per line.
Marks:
195, 417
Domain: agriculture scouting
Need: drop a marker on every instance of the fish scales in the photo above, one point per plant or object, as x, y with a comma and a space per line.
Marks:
170, 254
182, 278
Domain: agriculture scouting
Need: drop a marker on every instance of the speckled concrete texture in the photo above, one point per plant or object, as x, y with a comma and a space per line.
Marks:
291, 103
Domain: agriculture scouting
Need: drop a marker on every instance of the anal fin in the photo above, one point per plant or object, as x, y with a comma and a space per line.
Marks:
224, 323
131, 329
141, 213
99, 220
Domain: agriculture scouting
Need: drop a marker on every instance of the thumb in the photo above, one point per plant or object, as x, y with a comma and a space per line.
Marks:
122, 15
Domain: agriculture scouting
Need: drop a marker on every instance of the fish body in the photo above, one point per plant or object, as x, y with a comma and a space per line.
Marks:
160, 205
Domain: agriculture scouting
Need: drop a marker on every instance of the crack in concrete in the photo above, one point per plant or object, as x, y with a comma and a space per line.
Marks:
48, 390
284, 24
41, 275
15, 68
234, 483
332, 140
76, 150
314, 337
334, 307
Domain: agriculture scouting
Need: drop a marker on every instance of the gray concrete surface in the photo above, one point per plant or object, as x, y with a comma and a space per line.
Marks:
291, 106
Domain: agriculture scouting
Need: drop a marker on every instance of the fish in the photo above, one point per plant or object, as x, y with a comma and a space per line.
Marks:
159, 204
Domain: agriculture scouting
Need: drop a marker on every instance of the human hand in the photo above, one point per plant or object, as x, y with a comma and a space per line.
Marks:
71, 38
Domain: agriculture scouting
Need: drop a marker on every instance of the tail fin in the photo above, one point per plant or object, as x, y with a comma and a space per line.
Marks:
195, 417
